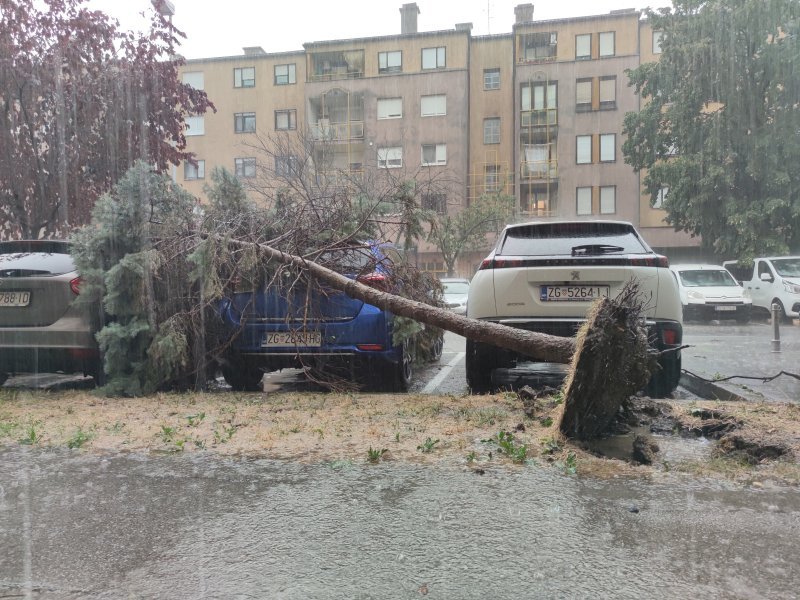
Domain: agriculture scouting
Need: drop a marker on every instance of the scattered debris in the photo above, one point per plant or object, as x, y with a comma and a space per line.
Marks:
751, 449
644, 450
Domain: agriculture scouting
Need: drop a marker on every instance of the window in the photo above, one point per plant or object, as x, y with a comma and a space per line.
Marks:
434, 58
195, 126
434, 154
194, 79
608, 147
491, 130
608, 92
608, 200
583, 95
244, 122
390, 108
285, 74
491, 79
286, 166
433, 106
583, 46
390, 158
539, 102
390, 62
583, 154
244, 77
661, 195
284, 120
245, 167
607, 44
436, 202
491, 179
657, 37
584, 200
191, 171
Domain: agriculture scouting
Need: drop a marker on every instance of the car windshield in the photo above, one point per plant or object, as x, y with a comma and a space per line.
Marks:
590, 238
455, 287
787, 267
707, 278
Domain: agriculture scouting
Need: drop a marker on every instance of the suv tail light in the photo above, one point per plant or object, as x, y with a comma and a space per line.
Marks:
609, 260
75, 285
650, 261
670, 336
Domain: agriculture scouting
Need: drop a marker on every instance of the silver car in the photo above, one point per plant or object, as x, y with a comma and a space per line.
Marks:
455, 294
42, 328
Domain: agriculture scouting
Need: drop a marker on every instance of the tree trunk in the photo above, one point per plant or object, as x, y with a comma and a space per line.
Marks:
539, 346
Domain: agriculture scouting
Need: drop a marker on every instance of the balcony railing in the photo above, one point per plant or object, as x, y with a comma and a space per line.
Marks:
539, 169
539, 118
340, 178
338, 132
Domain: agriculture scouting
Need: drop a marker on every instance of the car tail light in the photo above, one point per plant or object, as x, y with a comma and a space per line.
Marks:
376, 280
83, 353
486, 263
670, 336
75, 285
370, 347
650, 261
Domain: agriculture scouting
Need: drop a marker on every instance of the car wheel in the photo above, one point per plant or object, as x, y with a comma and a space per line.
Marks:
241, 376
99, 374
437, 348
781, 313
403, 370
479, 365
3, 378
665, 380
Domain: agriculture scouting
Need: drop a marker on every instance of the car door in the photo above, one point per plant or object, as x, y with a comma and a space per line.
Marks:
761, 291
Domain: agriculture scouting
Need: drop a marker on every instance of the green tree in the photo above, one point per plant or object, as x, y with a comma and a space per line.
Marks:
134, 261
721, 124
468, 229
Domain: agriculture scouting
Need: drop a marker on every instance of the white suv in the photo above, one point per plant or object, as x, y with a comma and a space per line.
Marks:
543, 277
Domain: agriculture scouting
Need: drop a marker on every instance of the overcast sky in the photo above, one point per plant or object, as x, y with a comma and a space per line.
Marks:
223, 27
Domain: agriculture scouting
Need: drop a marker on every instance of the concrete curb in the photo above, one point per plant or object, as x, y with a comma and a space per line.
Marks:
708, 390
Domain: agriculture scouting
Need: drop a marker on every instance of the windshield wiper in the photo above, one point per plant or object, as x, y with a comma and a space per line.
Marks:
595, 249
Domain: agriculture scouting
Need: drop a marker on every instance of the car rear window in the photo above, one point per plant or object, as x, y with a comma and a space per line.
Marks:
707, 278
571, 239
33, 258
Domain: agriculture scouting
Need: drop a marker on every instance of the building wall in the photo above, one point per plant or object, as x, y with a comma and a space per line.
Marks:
354, 68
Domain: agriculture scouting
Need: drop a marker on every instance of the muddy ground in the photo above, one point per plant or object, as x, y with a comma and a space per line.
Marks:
752, 443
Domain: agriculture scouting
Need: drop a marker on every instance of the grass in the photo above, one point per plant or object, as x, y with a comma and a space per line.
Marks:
78, 439
374, 455
428, 445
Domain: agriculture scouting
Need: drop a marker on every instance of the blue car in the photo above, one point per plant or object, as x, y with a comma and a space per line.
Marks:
289, 324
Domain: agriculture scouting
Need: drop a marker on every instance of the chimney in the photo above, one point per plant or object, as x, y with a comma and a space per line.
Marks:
408, 18
463, 26
523, 13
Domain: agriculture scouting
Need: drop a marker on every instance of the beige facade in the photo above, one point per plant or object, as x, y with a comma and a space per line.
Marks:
536, 113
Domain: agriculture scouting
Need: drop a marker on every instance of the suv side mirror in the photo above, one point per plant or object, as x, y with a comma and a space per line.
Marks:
766, 277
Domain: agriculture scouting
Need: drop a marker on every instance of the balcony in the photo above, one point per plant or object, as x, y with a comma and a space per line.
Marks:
329, 66
539, 118
324, 130
536, 170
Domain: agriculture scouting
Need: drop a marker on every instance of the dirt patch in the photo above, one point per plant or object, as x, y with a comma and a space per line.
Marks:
475, 431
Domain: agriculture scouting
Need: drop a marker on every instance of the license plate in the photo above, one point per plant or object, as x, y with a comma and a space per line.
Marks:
15, 298
572, 293
731, 308
293, 338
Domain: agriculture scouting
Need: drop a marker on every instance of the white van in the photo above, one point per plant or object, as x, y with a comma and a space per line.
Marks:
773, 279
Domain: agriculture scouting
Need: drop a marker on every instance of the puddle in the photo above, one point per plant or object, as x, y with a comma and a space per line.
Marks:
672, 448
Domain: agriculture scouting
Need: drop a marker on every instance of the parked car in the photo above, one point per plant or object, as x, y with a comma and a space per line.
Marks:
770, 280
455, 294
289, 324
42, 328
543, 276
710, 292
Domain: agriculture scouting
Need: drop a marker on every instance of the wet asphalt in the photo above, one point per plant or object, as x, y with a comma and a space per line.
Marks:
76, 525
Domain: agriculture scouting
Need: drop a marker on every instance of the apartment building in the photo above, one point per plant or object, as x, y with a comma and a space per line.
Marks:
536, 113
